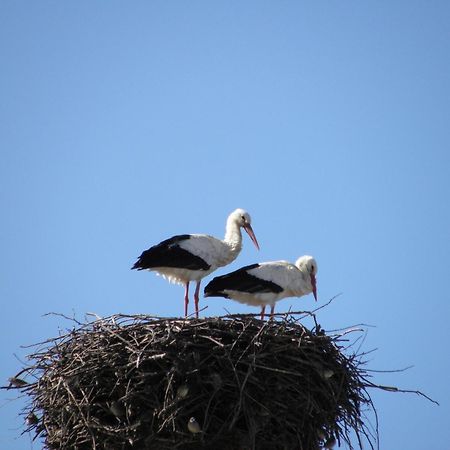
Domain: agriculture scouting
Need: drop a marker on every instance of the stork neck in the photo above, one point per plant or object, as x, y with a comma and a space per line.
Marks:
233, 236
302, 286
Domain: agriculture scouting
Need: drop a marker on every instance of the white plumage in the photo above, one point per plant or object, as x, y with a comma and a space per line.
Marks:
265, 283
191, 257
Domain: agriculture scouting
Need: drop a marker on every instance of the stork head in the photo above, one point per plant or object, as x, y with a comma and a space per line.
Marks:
308, 265
242, 218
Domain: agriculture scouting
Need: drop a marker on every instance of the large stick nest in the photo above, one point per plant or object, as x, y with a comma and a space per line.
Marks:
127, 382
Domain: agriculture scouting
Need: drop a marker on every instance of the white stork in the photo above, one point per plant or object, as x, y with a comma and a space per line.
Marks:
191, 257
265, 283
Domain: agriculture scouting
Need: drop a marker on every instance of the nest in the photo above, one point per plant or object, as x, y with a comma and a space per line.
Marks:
233, 382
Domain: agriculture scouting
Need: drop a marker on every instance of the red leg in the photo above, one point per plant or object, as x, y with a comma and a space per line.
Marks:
197, 290
263, 310
186, 299
272, 310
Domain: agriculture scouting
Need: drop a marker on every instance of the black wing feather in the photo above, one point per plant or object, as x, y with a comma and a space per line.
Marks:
168, 253
240, 280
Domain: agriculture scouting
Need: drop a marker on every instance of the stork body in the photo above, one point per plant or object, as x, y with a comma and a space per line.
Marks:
265, 283
191, 257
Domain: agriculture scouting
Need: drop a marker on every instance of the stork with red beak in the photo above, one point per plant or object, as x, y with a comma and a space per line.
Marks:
191, 257
265, 283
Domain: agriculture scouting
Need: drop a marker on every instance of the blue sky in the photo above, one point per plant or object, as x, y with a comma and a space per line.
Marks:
124, 124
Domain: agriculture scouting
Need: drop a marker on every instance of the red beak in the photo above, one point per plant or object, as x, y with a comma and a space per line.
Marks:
314, 287
248, 228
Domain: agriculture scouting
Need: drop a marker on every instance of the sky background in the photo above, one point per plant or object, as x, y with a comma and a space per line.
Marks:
122, 124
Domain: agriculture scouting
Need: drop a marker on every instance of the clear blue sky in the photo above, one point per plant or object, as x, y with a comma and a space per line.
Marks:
125, 123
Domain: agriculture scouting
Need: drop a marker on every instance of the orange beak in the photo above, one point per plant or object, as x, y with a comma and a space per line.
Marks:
314, 287
248, 228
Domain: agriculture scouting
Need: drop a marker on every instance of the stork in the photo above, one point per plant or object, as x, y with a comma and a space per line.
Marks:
265, 283
191, 257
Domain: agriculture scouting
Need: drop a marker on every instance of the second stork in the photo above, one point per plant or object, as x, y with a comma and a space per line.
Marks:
265, 283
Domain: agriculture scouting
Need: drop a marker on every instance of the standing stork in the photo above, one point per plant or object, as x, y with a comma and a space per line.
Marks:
191, 257
265, 283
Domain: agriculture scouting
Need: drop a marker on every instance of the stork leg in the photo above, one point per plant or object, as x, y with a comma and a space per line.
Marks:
272, 311
197, 290
263, 310
186, 299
